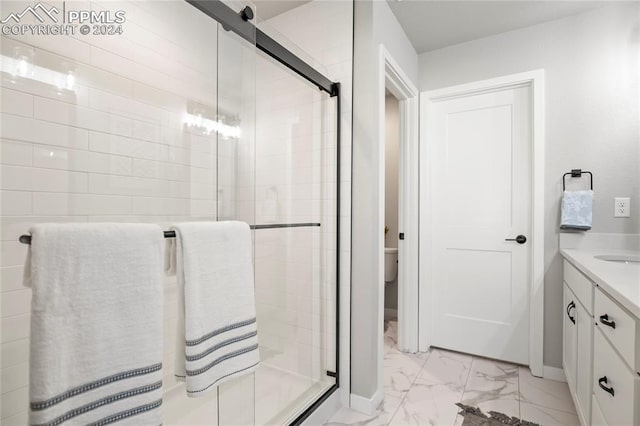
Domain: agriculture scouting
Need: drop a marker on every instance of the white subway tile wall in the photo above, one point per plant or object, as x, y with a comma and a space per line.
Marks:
112, 146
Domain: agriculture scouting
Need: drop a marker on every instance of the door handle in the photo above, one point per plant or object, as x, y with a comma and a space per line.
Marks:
520, 239
609, 389
570, 306
605, 320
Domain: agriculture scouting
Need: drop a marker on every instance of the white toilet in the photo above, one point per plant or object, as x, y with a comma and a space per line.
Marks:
390, 264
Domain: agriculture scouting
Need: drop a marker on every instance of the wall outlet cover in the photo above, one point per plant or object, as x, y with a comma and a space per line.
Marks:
622, 207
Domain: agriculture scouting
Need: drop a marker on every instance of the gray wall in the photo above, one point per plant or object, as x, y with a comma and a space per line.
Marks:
374, 23
592, 117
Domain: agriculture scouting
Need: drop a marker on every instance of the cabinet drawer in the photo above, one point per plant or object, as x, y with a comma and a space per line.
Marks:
581, 286
619, 408
618, 325
597, 418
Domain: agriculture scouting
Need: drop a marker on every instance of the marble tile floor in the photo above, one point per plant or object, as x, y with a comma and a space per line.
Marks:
422, 389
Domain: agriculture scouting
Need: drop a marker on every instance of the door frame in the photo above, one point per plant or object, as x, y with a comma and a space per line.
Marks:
535, 80
392, 77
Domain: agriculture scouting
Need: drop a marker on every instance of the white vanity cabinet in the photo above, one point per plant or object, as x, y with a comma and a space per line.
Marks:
601, 352
577, 339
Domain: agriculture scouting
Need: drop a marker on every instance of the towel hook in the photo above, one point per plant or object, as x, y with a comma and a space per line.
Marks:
576, 173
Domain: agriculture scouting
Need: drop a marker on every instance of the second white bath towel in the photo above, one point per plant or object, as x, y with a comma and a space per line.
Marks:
217, 330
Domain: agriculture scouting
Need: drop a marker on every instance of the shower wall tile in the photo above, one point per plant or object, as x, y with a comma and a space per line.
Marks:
51, 204
79, 97
34, 179
15, 378
126, 185
11, 254
11, 278
12, 403
15, 303
15, 203
14, 353
75, 116
18, 103
16, 153
37, 131
82, 161
15, 328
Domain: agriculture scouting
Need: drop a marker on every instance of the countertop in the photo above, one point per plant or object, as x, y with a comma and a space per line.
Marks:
621, 281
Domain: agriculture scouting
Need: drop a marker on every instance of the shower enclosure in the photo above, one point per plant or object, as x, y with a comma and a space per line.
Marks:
191, 114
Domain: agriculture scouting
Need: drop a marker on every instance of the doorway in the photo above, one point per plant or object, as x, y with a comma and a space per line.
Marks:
481, 245
402, 234
391, 239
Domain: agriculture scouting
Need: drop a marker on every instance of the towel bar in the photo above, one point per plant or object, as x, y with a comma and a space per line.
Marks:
26, 239
576, 173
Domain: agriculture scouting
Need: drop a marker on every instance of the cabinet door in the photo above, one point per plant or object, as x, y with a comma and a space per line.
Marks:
570, 338
584, 323
614, 384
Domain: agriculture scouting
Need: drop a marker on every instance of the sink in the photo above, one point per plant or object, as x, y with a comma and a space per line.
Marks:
620, 258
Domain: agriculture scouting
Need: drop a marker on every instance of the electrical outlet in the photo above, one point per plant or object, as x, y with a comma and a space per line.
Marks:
622, 207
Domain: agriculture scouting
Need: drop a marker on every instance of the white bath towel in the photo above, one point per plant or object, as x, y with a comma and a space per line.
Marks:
577, 210
96, 324
217, 331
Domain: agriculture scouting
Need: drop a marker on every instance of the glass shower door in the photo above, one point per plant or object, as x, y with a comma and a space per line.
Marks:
295, 169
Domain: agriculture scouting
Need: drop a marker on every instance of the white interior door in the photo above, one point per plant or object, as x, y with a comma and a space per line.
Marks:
481, 197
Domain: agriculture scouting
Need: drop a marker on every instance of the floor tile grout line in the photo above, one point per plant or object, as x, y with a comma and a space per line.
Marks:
520, 369
413, 382
429, 352
551, 408
519, 395
466, 382
464, 388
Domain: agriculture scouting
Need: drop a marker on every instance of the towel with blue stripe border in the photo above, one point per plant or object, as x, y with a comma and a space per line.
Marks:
96, 324
217, 330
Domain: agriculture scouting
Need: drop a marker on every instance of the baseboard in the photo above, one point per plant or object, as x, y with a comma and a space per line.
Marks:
390, 313
367, 405
554, 373
327, 409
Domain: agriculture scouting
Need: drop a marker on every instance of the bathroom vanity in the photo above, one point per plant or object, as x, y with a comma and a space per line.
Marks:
601, 334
